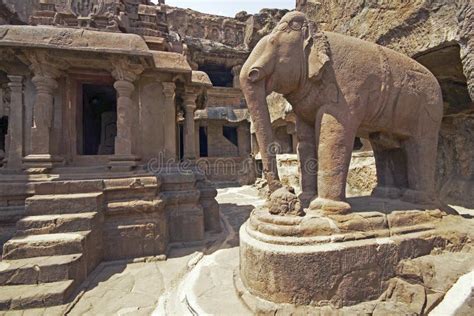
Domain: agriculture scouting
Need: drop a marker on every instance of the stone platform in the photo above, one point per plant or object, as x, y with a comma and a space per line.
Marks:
339, 260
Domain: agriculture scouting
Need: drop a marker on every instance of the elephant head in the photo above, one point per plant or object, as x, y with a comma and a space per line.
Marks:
282, 61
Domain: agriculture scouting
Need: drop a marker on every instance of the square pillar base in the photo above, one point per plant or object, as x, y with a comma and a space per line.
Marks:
36, 162
123, 162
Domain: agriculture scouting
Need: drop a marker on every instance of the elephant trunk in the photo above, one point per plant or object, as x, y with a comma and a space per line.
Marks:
255, 95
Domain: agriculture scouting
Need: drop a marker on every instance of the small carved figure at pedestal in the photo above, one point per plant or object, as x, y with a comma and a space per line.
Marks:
341, 87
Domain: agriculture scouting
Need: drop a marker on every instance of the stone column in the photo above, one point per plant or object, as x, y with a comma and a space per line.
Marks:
189, 125
15, 123
41, 154
243, 138
123, 140
125, 74
170, 120
294, 142
254, 144
236, 72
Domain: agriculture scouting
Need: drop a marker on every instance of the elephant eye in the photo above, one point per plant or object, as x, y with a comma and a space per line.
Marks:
296, 25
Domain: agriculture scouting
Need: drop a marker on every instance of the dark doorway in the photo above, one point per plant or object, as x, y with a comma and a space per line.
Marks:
181, 141
220, 75
230, 132
99, 119
203, 141
3, 131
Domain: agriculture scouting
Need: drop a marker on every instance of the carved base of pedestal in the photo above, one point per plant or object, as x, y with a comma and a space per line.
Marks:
36, 163
124, 162
336, 261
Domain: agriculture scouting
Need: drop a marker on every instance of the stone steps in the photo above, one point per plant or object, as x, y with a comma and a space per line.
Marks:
46, 245
56, 223
56, 245
42, 270
64, 203
16, 297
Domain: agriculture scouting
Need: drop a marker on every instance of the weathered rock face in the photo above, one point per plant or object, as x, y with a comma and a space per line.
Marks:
8, 15
258, 25
22, 9
407, 26
455, 159
466, 41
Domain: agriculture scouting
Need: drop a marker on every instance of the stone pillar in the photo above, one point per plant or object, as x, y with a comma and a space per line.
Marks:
123, 140
189, 125
294, 141
125, 74
236, 72
15, 123
254, 144
41, 154
243, 138
170, 120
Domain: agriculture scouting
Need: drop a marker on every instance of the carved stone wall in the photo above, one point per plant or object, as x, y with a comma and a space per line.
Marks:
186, 22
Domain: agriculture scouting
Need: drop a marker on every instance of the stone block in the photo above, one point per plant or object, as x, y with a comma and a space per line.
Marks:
43, 270
46, 245
64, 203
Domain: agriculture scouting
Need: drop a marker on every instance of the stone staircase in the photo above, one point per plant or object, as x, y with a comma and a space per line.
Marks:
57, 244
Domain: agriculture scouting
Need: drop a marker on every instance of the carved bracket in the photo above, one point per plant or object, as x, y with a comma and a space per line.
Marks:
41, 64
123, 69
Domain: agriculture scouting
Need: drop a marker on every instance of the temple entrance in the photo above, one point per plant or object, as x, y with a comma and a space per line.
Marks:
99, 119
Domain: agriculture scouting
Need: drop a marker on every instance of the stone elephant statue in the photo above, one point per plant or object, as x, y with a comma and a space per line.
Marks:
342, 87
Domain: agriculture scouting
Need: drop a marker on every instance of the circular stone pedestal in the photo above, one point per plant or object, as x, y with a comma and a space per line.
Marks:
331, 260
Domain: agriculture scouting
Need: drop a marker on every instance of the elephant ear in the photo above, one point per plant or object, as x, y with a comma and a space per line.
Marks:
318, 55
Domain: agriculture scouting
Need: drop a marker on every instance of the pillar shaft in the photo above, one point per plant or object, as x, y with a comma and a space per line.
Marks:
15, 123
189, 128
170, 120
123, 141
42, 115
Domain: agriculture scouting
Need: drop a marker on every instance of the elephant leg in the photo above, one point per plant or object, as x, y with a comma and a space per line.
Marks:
335, 143
421, 163
307, 159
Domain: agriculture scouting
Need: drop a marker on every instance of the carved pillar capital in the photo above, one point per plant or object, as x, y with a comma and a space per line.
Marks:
15, 82
169, 89
124, 88
44, 84
43, 65
124, 70
190, 96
